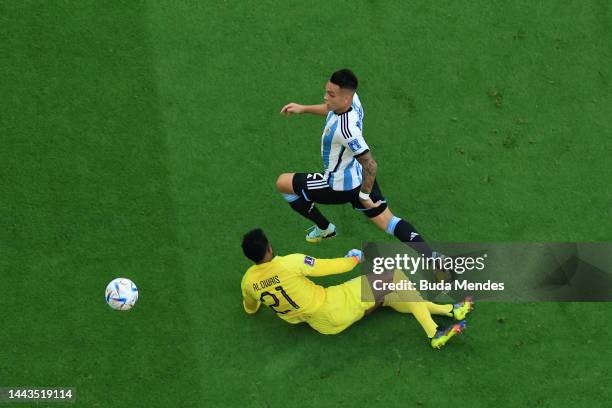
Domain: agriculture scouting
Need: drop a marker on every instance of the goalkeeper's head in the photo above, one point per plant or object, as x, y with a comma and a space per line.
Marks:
256, 246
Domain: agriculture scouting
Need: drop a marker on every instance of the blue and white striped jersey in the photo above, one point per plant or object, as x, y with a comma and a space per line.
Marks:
342, 140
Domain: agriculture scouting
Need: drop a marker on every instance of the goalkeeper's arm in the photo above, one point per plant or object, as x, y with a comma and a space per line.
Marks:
324, 267
251, 306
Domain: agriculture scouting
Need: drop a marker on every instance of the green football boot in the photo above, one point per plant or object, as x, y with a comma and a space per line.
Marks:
316, 234
461, 309
443, 335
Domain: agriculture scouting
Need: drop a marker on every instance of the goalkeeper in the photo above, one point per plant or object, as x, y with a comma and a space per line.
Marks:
283, 284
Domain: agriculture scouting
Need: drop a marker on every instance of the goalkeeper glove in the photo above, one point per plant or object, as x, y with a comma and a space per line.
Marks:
355, 253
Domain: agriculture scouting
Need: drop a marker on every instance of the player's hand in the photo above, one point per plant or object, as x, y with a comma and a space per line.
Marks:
369, 203
356, 253
291, 108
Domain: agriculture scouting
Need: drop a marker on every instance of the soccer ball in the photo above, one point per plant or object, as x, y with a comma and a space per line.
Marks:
121, 294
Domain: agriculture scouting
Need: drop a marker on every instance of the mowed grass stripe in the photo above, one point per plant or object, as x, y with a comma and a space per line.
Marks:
86, 198
429, 77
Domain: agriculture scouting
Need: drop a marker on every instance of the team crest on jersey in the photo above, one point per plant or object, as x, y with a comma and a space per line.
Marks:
309, 261
354, 145
326, 130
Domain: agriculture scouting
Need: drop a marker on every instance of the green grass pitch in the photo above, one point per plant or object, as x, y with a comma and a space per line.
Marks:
142, 139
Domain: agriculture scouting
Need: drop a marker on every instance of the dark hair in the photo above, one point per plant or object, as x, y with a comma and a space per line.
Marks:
345, 79
255, 245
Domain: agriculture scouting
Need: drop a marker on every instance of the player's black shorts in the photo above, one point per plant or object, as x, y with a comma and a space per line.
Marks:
312, 187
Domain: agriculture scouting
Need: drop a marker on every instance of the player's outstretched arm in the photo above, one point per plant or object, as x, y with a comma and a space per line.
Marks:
296, 108
324, 267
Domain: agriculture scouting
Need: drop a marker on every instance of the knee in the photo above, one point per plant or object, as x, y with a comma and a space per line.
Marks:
382, 221
280, 183
284, 183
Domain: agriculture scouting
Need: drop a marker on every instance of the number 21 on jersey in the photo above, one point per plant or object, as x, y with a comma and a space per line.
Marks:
270, 299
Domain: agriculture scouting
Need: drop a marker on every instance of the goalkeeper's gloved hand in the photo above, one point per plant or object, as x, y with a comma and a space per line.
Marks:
355, 253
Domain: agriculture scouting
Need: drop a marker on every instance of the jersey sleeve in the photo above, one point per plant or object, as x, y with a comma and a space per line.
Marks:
250, 304
352, 137
309, 266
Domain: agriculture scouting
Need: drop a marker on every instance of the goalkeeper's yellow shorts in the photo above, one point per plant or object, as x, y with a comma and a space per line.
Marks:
342, 307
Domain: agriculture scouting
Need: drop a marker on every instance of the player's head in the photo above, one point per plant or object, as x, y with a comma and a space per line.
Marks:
256, 246
339, 90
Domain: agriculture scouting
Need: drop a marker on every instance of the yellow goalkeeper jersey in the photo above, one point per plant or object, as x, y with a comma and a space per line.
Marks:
283, 284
